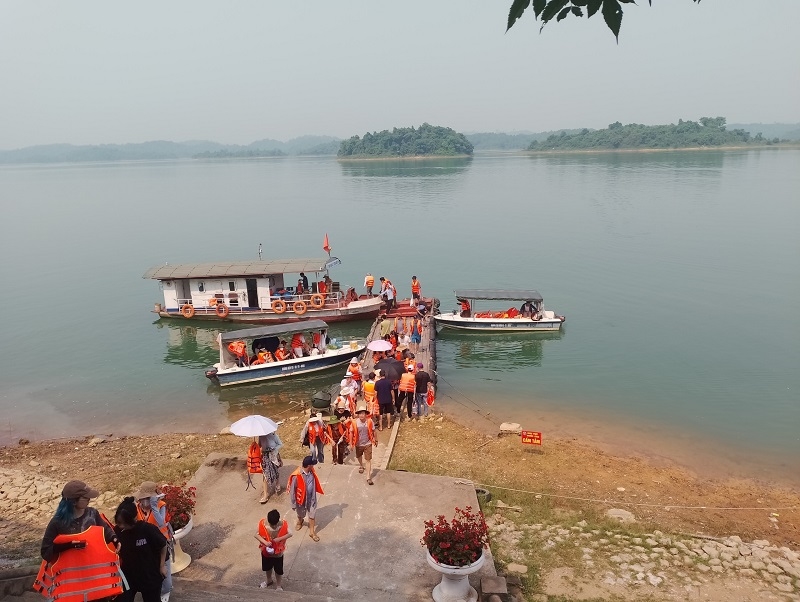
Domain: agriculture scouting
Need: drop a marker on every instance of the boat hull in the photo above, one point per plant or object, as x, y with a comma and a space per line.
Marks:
356, 310
289, 368
456, 322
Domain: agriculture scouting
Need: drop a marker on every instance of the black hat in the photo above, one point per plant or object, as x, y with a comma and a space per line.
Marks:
308, 461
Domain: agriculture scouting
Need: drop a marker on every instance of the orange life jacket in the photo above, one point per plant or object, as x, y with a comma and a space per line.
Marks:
415, 287
300, 494
299, 288
354, 431
322, 288
316, 339
151, 518
238, 348
254, 458
77, 575
416, 327
408, 382
315, 429
263, 357
278, 546
355, 372
281, 354
465, 306
297, 340
369, 391
370, 280
430, 399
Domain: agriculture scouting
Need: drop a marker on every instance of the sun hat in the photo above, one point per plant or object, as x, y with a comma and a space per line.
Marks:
76, 489
353, 360
308, 461
334, 420
361, 408
346, 391
146, 490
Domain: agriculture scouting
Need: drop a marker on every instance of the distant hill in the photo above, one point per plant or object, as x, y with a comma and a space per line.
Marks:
162, 149
783, 131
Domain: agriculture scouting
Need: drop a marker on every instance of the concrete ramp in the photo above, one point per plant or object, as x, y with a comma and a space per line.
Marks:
369, 546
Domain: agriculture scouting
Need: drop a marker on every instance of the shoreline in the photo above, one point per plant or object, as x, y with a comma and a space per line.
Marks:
401, 158
585, 151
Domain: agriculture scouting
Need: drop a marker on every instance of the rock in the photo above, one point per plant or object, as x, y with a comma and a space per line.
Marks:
622, 516
96, 441
175, 456
510, 428
225, 431
761, 543
783, 587
620, 489
775, 570
33, 463
758, 565
654, 580
704, 568
711, 551
748, 572
520, 569
190, 437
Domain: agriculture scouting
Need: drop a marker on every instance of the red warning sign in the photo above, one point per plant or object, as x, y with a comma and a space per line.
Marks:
531, 437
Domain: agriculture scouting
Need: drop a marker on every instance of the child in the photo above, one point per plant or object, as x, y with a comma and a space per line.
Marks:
272, 535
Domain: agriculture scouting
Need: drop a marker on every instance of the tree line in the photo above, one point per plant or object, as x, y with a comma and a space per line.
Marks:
708, 131
426, 140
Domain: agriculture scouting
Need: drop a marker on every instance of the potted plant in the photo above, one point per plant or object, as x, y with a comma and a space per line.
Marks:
455, 549
180, 501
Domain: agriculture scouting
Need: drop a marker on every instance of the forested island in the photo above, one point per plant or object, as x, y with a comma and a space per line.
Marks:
425, 141
708, 132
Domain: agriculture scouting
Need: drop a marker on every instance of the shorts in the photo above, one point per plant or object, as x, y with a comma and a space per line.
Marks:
415, 296
416, 338
365, 451
272, 562
387, 408
302, 510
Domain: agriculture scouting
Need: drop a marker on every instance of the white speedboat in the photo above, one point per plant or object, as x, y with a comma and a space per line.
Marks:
531, 316
236, 365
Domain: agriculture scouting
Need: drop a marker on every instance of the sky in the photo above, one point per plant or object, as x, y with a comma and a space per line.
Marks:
95, 72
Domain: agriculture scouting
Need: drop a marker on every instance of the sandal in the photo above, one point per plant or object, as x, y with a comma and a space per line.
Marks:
361, 470
314, 536
369, 482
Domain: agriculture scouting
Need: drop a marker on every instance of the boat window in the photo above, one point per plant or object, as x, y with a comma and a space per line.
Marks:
232, 285
201, 286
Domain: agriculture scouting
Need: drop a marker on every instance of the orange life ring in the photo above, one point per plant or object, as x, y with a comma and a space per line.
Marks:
222, 310
299, 307
279, 306
317, 301
187, 311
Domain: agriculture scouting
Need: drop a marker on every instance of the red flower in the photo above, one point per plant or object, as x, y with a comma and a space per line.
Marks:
180, 501
459, 542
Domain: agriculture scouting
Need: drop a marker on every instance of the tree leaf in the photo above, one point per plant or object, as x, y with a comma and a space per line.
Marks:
516, 10
577, 11
563, 14
552, 9
594, 6
612, 13
538, 7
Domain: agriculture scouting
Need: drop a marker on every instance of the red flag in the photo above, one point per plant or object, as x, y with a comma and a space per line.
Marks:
325, 246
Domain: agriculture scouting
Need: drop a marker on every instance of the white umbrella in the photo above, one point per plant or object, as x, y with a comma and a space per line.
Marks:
379, 345
254, 426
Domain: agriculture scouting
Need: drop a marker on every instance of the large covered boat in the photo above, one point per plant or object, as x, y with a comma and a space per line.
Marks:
258, 292
531, 316
237, 366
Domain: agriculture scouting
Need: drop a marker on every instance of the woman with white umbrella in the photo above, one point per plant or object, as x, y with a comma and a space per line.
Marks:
270, 444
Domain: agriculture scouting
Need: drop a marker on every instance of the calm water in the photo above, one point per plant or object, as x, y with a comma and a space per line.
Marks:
679, 274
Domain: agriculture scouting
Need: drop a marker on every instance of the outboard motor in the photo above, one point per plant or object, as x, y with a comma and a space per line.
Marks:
211, 374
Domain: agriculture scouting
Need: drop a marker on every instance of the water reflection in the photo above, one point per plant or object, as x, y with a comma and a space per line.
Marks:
405, 168
495, 353
190, 346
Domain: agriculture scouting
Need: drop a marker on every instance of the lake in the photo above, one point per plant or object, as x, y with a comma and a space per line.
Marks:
678, 272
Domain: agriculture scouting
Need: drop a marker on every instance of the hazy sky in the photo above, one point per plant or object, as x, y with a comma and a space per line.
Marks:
90, 72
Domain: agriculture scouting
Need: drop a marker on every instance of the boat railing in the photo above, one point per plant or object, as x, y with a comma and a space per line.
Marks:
209, 305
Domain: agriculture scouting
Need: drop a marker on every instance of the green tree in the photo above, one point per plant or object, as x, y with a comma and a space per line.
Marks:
547, 10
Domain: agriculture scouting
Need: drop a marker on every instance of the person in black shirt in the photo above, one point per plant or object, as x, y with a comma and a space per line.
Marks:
422, 381
143, 554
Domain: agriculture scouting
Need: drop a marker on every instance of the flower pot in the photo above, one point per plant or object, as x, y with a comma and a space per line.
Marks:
454, 586
181, 559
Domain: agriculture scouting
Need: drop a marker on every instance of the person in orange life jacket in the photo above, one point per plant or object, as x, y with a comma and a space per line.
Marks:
322, 288
74, 516
262, 357
298, 344
340, 434
281, 353
466, 309
303, 487
355, 373
143, 553
416, 334
270, 464
422, 384
370, 399
362, 438
299, 289
406, 392
389, 293
416, 290
344, 402
321, 340
272, 534
150, 508
319, 435
369, 282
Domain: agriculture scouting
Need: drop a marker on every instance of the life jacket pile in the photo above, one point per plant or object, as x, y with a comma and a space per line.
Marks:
77, 575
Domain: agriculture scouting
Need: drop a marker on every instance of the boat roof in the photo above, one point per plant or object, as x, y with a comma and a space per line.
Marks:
497, 294
271, 331
221, 269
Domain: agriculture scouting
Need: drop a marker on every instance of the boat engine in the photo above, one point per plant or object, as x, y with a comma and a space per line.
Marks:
211, 374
